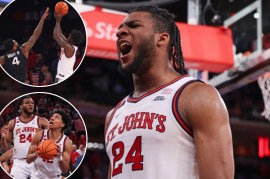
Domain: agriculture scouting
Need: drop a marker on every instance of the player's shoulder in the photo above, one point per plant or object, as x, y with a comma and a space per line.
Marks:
199, 90
11, 123
199, 97
109, 114
68, 143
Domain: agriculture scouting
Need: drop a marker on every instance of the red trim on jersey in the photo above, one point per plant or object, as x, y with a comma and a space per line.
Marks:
58, 139
135, 100
14, 124
38, 122
175, 108
28, 121
64, 144
42, 138
47, 134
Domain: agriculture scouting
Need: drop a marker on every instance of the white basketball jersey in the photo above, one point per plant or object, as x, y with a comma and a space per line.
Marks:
48, 168
22, 136
65, 64
146, 137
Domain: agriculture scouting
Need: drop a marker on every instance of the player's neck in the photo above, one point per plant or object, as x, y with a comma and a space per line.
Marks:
55, 134
26, 117
152, 80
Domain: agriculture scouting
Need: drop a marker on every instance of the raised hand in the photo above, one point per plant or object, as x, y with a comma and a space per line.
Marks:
46, 13
57, 16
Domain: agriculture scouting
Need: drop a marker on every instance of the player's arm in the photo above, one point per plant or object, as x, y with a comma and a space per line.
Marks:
207, 115
7, 155
32, 40
65, 158
107, 123
32, 151
59, 37
43, 123
2, 60
7, 134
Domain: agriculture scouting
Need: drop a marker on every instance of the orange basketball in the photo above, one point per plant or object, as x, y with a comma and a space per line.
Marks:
61, 8
47, 149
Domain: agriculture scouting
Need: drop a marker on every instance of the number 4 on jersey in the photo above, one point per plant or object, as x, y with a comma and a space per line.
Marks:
15, 61
134, 155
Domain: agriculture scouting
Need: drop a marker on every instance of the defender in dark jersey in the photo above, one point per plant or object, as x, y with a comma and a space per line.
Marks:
15, 60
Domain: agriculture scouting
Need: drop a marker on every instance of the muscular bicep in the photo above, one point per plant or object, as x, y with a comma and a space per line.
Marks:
209, 120
9, 137
43, 123
68, 149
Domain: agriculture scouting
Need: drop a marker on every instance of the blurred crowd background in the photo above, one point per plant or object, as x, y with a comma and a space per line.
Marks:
97, 86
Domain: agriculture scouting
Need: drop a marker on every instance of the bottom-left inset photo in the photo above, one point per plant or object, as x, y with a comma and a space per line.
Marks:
42, 136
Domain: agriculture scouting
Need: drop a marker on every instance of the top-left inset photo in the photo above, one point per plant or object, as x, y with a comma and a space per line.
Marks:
42, 43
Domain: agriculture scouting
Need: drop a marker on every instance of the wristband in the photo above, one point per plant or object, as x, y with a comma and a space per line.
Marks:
60, 158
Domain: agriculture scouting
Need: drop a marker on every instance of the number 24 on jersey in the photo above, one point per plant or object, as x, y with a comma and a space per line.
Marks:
134, 156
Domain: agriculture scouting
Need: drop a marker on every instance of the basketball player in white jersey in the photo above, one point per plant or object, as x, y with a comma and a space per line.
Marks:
15, 60
172, 126
20, 131
69, 46
52, 169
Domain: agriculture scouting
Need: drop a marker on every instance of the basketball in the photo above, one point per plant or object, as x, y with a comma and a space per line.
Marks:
61, 8
47, 149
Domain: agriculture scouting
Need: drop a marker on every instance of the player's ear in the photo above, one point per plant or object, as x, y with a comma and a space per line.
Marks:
163, 39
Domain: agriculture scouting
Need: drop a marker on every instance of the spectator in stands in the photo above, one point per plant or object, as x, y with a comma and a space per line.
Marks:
74, 154
81, 149
47, 79
35, 79
79, 126
73, 137
82, 140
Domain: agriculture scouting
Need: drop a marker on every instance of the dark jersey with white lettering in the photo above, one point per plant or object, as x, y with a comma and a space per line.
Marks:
15, 64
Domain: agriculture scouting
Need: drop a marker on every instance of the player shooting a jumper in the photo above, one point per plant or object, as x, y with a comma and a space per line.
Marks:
69, 46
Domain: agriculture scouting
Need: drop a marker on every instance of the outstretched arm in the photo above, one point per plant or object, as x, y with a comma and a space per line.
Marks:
32, 151
60, 38
32, 40
2, 60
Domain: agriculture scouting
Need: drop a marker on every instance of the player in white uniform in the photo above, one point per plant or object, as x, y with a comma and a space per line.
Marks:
20, 131
52, 169
69, 46
172, 126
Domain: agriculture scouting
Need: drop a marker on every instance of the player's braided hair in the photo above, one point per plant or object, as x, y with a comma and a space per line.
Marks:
164, 22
